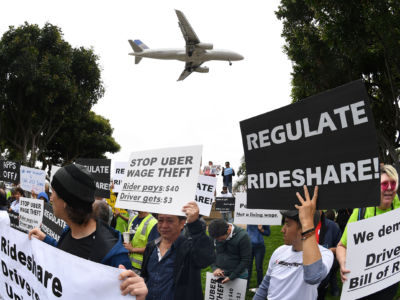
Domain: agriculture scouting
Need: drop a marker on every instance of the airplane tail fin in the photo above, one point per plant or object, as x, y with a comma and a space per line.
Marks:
137, 46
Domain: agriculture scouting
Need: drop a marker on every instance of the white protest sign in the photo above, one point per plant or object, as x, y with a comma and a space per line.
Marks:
205, 193
32, 179
232, 290
118, 175
30, 213
373, 255
243, 215
54, 169
31, 269
160, 181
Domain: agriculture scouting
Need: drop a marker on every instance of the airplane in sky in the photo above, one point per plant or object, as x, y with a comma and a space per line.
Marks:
194, 54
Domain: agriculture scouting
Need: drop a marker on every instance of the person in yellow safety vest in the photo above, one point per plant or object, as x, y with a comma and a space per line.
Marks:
144, 229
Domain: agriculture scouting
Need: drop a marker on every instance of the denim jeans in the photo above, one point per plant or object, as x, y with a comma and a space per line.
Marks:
257, 252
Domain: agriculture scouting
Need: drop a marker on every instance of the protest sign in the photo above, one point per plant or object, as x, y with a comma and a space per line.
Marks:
9, 171
14, 221
32, 179
373, 255
30, 213
161, 181
54, 169
51, 225
327, 140
31, 269
118, 175
243, 215
225, 204
211, 170
205, 193
232, 290
101, 171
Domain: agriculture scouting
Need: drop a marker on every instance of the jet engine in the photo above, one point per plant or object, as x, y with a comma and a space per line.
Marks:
202, 69
205, 46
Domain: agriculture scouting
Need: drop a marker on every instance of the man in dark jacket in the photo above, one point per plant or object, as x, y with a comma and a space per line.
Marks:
172, 263
233, 250
72, 198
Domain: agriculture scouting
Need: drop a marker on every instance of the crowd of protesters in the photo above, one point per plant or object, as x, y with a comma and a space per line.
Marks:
163, 255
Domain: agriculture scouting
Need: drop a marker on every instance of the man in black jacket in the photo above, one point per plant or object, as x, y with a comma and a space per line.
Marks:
172, 263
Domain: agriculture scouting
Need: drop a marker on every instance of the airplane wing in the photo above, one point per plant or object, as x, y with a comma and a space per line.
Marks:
189, 35
189, 68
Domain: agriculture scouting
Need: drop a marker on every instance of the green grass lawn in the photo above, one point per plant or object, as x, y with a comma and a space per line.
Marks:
271, 243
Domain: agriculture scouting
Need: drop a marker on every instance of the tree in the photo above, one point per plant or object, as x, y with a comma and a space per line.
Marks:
45, 85
333, 42
241, 183
92, 137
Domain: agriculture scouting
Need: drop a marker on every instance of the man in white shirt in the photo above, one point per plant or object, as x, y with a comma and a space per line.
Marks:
296, 268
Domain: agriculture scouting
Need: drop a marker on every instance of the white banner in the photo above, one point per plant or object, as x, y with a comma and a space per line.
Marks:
118, 175
161, 181
30, 213
205, 193
232, 290
32, 179
373, 255
243, 215
31, 269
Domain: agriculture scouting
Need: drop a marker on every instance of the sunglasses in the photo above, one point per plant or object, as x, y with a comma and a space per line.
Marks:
385, 185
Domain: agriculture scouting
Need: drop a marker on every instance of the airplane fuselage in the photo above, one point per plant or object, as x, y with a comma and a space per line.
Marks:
197, 56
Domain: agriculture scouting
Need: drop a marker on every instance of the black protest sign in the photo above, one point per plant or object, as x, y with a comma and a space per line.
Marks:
51, 225
327, 140
9, 171
225, 204
101, 170
14, 221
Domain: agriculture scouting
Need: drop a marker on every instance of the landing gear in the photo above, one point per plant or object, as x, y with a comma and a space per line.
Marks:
230, 63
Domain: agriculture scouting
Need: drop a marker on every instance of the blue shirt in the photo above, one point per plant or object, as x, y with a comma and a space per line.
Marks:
256, 237
160, 282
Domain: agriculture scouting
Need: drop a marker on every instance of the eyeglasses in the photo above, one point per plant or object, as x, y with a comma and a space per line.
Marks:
385, 185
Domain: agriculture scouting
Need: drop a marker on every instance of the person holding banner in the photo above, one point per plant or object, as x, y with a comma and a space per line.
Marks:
296, 268
73, 195
172, 263
389, 201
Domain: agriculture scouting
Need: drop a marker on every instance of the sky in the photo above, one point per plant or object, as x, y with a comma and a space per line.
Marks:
146, 105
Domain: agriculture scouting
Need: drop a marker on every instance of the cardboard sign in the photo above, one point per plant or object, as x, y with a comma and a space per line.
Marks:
161, 181
205, 193
45, 272
118, 175
9, 171
51, 225
225, 204
211, 170
32, 179
373, 255
327, 140
30, 213
232, 290
243, 215
101, 171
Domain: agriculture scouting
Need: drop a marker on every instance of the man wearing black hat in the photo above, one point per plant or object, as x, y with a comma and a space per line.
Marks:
73, 195
296, 268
